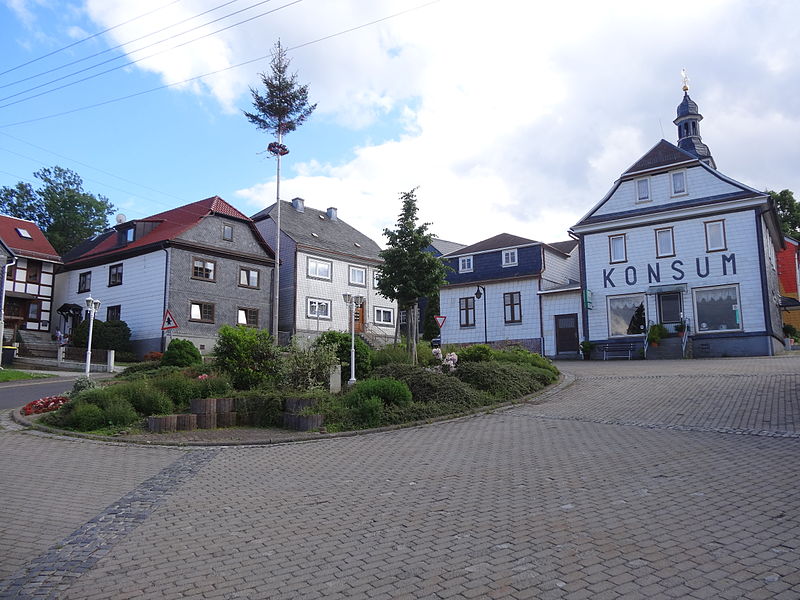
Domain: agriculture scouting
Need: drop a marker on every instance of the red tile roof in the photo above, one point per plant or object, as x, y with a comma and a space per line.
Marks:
172, 223
36, 246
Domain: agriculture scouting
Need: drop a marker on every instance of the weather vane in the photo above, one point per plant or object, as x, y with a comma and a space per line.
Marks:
685, 80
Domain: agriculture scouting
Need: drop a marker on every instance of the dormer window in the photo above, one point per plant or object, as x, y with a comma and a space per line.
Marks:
24, 233
642, 190
130, 234
678, 180
465, 264
510, 257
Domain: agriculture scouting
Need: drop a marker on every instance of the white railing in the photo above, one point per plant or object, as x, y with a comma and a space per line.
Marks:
687, 329
647, 336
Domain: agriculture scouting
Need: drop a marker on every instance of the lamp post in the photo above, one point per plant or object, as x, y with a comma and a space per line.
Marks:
481, 293
353, 302
93, 306
277, 149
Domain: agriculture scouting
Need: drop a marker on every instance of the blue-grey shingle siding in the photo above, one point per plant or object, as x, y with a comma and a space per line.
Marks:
489, 265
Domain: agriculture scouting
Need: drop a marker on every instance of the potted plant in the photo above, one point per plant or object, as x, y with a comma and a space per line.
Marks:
586, 349
680, 328
656, 333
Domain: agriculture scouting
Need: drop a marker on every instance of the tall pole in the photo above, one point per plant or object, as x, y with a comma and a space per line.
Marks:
352, 342
276, 298
92, 305
2, 307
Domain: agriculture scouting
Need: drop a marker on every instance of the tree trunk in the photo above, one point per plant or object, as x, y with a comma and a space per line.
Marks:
414, 333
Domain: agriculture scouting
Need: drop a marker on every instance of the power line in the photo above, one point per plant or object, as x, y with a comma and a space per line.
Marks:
191, 79
85, 58
94, 35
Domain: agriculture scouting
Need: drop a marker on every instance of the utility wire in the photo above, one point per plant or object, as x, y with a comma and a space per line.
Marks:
132, 62
94, 35
85, 58
191, 79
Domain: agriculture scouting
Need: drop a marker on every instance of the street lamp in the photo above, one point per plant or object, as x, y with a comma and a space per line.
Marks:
481, 292
93, 306
353, 302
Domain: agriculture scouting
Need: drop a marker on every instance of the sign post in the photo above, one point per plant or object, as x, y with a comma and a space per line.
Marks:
440, 321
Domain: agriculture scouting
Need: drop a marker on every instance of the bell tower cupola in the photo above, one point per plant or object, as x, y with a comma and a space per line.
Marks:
688, 123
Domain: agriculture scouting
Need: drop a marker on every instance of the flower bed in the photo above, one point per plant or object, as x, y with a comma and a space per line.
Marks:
43, 405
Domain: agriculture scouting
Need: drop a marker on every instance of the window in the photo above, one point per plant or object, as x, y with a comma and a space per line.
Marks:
248, 277
247, 317
130, 234
466, 312
114, 313
10, 272
202, 312
643, 190
34, 271
665, 242
115, 275
465, 264
384, 316
678, 183
85, 282
669, 307
715, 236
319, 269
510, 257
317, 308
203, 269
227, 233
617, 248
375, 276
34, 311
358, 276
626, 315
512, 303
23, 233
717, 308
403, 317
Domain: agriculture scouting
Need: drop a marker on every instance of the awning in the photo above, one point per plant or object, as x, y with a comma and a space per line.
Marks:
67, 309
787, 303
665, 289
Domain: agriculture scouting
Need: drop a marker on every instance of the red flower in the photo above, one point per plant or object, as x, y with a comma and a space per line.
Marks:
43, 405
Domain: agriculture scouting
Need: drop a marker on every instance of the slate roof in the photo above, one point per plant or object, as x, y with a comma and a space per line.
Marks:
660, 155
36, 246
312, 228
445, 247
564, 247
169, 225
502, 240
688, 106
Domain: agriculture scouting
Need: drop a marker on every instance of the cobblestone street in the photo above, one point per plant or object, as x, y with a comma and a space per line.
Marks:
669, 479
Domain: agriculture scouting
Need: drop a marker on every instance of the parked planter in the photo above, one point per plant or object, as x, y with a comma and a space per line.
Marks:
187, 422
226, 419
225, 405
163, 423
302, 422
206, 420
199, 406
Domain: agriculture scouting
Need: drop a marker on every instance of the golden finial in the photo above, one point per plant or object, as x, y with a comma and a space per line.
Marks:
685, 80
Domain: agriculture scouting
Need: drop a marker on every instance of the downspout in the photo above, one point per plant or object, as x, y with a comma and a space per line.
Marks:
166, 294
539, 298
3, 303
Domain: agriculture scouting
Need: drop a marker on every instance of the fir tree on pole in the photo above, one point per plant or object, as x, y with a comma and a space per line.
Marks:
409, 272
282, 108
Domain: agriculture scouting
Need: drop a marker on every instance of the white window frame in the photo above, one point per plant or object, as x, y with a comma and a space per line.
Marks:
244, 309
465, 264
206, 266
708, 226
383, 312
403, 317
249, 271
353, 269
510, 257
317, 302
313, 267
227, 229
660, 251
638, 190
737, 307
375, 277
612, 259
673, 191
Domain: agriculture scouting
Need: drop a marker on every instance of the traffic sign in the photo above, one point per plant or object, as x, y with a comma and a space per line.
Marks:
440, 321
168, 322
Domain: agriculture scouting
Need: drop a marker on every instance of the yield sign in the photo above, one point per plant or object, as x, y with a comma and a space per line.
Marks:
169, 321
440, 321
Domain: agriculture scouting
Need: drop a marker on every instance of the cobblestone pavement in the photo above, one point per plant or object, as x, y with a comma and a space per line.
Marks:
624, 484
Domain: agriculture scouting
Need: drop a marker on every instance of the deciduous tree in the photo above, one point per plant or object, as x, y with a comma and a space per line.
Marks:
788, 212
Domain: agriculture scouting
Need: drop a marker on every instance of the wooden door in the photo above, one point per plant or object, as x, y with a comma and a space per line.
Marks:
566, 333
358, 319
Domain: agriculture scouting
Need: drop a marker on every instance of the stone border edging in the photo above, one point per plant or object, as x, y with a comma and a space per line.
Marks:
564, 381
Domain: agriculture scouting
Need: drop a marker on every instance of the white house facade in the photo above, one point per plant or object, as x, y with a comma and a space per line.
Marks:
677, 242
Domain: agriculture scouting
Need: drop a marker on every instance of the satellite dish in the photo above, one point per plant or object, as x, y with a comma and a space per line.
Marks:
121, 219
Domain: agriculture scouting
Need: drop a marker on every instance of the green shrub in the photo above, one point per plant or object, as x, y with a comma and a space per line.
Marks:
393, 353
86, 417
390, 391
106, 335
82, 383
215, 386
263, 408
147, 366
248, 356
790, 330
179, 388
520, 355
506, 381
98, 396
425, 357
181, 353
475, 353
428, 386
309, 368
146, 399
367, 411
341, 343
119, 413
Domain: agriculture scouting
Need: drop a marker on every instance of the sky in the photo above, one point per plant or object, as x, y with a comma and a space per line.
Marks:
507, 116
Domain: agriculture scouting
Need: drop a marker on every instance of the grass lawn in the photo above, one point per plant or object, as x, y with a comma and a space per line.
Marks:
13, 375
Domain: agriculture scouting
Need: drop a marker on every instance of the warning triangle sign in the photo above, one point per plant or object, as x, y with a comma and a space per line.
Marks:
440, 321
169, 321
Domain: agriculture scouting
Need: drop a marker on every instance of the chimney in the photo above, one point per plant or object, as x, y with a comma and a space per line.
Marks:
332, 214
299, 204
